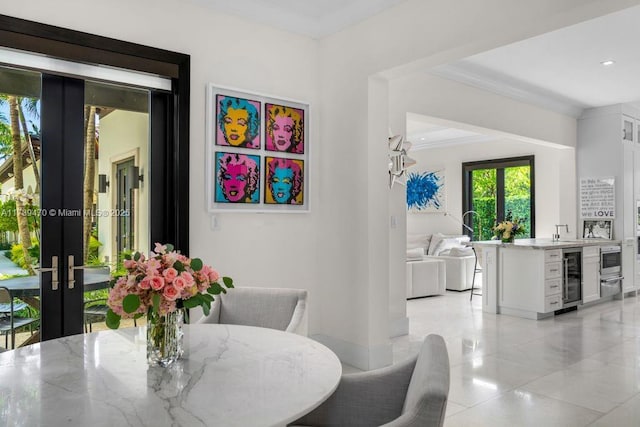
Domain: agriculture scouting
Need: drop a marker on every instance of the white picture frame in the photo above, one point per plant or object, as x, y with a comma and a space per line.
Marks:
259, 153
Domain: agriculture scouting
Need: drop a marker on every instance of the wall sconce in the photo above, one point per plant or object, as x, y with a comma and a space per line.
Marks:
399, 162
134, 177
102, 183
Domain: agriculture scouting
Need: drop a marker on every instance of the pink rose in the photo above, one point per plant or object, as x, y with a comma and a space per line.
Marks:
188, 278
213, 275
129, 264
145, 283
170, 274
170, 292
157, 283
179, 283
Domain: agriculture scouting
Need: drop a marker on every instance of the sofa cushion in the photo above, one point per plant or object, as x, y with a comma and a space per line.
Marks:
418, 240
446, 243
459, 252
415, 254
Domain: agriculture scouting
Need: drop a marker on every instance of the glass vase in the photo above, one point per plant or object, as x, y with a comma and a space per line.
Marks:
164, 337
508, 239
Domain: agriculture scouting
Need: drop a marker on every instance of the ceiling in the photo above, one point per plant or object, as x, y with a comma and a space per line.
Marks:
315, 19
560, 71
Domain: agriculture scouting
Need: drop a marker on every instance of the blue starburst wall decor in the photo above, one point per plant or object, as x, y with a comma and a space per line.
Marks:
425, 191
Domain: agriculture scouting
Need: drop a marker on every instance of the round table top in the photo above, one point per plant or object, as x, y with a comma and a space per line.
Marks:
229, 375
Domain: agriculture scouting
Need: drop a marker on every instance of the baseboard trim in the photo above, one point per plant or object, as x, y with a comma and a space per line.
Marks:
399, 327
365, 358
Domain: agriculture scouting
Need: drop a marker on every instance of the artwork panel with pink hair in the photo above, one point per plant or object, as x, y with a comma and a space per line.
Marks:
237, 178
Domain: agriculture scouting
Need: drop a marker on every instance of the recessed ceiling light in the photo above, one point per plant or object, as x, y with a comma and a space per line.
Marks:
421, 139
608, 62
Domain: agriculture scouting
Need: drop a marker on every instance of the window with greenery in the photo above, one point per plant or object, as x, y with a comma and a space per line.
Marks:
493, 189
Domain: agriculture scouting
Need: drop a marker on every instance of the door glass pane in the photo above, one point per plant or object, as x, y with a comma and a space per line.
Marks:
19, 202
116, 171
484, 202
517, 195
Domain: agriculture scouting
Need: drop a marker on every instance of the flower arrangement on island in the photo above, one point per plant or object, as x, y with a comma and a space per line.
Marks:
161, 284
508, 229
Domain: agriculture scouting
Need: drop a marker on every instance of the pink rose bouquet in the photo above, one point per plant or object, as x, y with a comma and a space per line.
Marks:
161, 284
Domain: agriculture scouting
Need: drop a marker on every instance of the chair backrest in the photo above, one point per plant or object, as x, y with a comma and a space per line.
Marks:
428, 390
5, 296
265, 307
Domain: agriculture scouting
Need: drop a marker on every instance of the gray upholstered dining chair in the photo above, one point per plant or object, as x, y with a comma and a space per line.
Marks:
275, 308
408, 394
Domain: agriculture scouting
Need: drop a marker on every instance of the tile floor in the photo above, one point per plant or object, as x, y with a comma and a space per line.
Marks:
577, 369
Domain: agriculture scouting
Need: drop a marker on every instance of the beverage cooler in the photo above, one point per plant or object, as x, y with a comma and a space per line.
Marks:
571, 277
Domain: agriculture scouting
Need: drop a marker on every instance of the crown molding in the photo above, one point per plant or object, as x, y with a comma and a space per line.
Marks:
476, 76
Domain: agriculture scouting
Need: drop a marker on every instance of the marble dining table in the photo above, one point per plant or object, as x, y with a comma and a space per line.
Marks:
229, 375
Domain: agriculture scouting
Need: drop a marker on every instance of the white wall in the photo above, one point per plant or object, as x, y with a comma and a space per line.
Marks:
553, 187
123, 134
339, 251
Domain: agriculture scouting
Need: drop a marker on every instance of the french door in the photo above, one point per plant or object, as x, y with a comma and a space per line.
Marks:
161, 185
86, 204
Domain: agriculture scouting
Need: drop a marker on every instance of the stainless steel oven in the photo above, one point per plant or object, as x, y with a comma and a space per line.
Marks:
610, 257
610, 270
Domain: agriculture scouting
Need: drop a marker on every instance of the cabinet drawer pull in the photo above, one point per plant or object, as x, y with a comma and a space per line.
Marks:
554, 286
553, 269
555, 302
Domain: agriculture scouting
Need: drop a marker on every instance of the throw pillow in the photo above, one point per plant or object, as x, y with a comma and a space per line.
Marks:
435, 241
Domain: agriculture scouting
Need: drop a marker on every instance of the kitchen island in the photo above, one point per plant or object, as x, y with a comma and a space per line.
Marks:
529, 278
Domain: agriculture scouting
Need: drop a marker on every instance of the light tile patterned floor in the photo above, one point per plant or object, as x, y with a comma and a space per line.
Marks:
577, 369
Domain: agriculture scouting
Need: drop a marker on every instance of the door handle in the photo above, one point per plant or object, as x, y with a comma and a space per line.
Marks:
54, 272
71, 281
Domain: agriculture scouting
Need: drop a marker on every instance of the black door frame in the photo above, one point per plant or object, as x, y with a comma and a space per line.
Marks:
500, 165
169, 168
170, 164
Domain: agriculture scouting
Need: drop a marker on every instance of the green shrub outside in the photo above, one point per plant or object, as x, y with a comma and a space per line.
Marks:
17, 256
486, 209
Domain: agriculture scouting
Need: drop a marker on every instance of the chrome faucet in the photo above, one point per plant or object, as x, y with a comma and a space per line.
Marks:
556, 237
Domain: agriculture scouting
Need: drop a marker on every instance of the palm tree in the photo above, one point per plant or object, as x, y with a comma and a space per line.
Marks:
89, 174
23, 225
31, 104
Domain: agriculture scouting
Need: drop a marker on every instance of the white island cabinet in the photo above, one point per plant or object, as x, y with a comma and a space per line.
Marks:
530, 282
525, 278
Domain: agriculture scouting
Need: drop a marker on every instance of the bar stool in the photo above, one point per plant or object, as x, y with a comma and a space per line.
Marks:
476, 269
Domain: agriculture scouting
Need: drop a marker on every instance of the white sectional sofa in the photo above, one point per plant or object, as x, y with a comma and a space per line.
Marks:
459, 260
